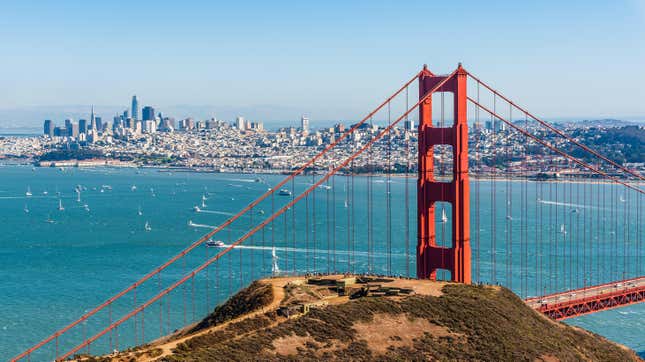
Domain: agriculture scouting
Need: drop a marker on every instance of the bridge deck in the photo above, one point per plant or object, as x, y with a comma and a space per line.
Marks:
591, 299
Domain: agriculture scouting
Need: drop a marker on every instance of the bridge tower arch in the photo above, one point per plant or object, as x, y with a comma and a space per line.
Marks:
431, 257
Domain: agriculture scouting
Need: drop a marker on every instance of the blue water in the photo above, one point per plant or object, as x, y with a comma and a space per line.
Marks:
52, 272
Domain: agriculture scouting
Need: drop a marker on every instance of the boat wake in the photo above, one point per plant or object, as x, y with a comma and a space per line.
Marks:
216, 212
556, 203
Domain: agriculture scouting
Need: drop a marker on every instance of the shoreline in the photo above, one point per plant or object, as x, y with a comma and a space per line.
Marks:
106, 163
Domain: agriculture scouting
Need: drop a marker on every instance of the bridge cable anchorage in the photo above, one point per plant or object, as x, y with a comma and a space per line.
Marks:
256, 228
557, 131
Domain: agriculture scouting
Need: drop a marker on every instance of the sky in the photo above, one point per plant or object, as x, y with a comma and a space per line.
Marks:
275, 60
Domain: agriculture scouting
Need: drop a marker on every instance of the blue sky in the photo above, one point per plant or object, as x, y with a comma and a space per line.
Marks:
329, 59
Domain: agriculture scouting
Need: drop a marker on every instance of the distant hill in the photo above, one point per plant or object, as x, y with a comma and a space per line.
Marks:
436, 321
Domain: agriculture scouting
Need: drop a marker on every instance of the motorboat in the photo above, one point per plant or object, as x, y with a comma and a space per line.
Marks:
147, 227
215, 243
284, 192
196, 208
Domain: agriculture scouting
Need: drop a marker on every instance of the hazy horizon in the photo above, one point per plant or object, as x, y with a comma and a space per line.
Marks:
331, 60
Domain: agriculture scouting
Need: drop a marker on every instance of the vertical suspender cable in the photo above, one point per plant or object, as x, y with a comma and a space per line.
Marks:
388, 193
328, 224
493, 221
313, 215
333, 210
477, 182
293, 226
407, 187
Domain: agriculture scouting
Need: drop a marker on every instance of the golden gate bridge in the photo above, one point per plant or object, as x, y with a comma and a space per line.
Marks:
574, 246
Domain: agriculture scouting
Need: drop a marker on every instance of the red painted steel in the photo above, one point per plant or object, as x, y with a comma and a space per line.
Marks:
430, 256
587, 301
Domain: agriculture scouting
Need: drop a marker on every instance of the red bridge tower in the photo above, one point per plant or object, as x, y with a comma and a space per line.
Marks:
430, 256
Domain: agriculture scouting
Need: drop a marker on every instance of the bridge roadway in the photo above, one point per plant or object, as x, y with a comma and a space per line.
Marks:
592, 299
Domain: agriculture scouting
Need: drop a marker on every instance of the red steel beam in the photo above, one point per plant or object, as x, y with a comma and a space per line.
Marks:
596, 303
587, 289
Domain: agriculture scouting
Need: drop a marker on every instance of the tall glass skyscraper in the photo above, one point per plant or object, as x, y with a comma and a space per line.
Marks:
135, 108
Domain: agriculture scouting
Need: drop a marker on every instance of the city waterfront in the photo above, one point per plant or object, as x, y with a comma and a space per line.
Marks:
60, 256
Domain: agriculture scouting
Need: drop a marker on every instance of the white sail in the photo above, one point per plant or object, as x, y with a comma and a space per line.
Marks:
274, 268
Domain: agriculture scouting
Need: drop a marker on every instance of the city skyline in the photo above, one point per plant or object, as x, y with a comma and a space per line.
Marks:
170, 63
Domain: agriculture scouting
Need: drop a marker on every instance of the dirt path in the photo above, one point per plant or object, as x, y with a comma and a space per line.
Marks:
167, 344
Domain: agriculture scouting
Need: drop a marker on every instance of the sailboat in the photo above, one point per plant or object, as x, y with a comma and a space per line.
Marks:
203, 201
78, 195
86, 207
60, 205
139, 212
147, 227
49, 220
26, 209
346, 203
622, 198
28, 193
444, 218
562, 229
274, 258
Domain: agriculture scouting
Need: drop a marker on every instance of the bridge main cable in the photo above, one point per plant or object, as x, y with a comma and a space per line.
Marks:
555, 149
256, 228
553, 129
216, 230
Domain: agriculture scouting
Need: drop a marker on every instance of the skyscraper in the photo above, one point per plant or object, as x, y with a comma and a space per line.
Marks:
92, 119
148, 113
409, 125
240, 123
82, 126
135, 108
304, 124
48, 128
68, 127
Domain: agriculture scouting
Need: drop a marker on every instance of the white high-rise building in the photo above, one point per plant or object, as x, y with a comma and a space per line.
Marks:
240, 123
304, 124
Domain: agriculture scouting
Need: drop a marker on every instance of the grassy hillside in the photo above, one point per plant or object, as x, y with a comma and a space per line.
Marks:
464, 323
